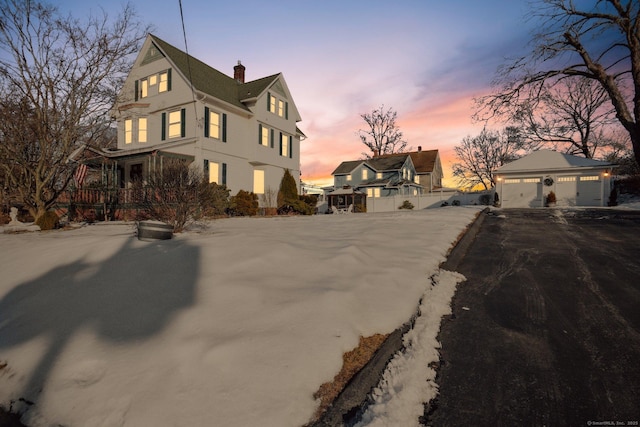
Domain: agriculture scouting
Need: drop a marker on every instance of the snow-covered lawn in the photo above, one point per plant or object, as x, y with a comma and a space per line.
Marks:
234, 323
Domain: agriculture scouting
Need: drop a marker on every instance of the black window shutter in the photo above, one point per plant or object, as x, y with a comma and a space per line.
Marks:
268, 101
169, 79
286, 110
224, 174
206, 122
183, 125
259, 134
224, 127
281, 143
272, 138
206, 169
164, 126
135, 96
290, 148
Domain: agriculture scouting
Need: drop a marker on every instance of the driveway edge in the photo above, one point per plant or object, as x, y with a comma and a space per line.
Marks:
348, 407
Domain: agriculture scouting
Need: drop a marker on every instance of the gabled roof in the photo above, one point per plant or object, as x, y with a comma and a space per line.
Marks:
423, 161
347, 167
379, 164
542, 160
211, 81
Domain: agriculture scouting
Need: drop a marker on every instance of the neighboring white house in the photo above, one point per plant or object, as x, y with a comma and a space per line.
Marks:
576, 181
241, 134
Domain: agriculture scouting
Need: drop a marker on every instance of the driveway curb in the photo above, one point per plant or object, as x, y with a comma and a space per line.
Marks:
348, 407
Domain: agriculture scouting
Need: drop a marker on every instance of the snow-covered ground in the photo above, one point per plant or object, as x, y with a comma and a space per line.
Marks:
234, 323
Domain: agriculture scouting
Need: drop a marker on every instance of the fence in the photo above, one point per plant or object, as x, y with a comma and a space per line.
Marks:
430, 200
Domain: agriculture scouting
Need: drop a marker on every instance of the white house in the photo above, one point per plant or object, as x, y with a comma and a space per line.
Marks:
241, 134
576, 181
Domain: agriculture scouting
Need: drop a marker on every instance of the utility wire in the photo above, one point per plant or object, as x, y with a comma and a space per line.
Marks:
186, 49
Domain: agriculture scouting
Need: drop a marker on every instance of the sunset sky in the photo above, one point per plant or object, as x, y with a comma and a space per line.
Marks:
426, 59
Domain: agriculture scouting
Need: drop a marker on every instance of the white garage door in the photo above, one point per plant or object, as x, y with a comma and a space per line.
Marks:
589, 191
522, 192
567, 190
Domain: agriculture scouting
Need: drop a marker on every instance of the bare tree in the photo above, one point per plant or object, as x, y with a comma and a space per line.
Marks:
58, 80
383, 135
598, 40
571, 116
480, 155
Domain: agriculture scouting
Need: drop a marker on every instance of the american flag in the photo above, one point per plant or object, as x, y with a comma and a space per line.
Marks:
81, 173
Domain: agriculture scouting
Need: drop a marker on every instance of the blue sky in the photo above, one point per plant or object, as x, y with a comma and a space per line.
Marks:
426, 59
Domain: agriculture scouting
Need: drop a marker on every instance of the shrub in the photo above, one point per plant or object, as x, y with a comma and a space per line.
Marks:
244, 204
172, 195
551, 197
213, 199
455, 203
48, 221
406, 205
485, 199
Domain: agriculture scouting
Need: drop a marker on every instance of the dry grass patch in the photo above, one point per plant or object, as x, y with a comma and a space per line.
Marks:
352, 362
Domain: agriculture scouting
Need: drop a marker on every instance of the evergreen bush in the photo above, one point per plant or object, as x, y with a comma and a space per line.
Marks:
244, 204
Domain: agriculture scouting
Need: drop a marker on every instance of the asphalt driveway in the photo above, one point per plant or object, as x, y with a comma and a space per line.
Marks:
546, 329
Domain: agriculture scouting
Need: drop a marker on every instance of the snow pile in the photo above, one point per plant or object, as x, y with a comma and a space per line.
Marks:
409, 379
235, 324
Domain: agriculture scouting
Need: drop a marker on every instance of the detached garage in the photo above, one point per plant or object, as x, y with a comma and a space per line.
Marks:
576, 181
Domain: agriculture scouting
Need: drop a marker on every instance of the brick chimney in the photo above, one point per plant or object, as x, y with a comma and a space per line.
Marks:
238, 72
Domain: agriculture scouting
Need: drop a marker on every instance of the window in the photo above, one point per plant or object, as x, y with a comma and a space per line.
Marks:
416, 179
214, 170
128, 131
531, 180
175, 124
272, 103
284, 145
512, 181
590, 178
264, 138
349, 177
142, 129
373, 192
281, 108
566, 179
153, 84
379, 175
163, 86
214, 125
365, 173
258, 181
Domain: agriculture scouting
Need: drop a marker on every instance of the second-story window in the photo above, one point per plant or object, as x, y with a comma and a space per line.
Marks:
135, 130
285, 146
215, 125
272, 103
281, 108
144, 88
379, 175
174, 122
365, 174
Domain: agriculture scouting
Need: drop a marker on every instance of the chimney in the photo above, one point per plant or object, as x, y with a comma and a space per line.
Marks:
238, 72
419, 148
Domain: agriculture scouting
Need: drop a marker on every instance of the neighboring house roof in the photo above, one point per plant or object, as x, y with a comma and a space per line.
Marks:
211, 81
548, 160
424, 161
379, 164
347, 167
